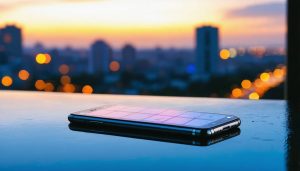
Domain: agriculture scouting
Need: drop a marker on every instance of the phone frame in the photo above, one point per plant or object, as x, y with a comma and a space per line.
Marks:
210, 129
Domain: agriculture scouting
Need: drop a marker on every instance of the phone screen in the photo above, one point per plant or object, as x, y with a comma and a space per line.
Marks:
157, 115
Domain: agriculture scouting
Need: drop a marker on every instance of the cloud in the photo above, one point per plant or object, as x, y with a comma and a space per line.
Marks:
275, 9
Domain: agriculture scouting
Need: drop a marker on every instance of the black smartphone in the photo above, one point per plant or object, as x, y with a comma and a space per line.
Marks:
154, 135
185, 122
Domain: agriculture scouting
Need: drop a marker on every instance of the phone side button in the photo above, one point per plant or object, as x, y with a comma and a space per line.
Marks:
196, 132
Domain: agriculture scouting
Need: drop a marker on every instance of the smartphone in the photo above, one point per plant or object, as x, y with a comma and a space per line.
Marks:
154, 135
184, 122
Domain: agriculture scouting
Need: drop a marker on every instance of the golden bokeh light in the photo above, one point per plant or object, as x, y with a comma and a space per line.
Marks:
49, 87
23, 75
48, 58
64, 69
69, 88
87, 89
236, 93
254, 96
65, 80
7, 81
233, 52
41, 58
224, 54
114, 66
278, 73
40, 85
258, 83
246, 84
265, 76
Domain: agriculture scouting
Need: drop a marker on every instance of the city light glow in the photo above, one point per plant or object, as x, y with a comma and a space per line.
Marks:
64, 69
233, 52
236, 93
224, 54
258, 83
254, 96
23, 75
48, 58
40, 58
246, 84
40, 85
166, 35
69, 88
265, 76
49, 87
278, 73
87, 89
65, 79
114, 66
7, 81
261, 85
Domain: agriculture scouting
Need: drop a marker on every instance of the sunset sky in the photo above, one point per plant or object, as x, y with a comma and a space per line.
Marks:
145, 23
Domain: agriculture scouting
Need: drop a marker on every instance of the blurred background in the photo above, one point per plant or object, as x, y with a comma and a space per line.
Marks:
216, 48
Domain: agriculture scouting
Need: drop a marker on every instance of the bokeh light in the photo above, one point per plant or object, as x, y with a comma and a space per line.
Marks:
7, 81
65, 79
49, 87
48, 59
40, 85
246, 84
41, 58
236, 93
254, 96
87, 89
258, 83
278, 73
265, 76
23, 75
233, 52
114, 66
69, 88
224, 54
64, 69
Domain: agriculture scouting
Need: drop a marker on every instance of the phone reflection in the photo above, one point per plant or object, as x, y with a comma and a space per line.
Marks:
155, 135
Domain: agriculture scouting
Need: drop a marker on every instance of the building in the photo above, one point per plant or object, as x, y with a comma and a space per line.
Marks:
100, 57
11, 41
128, 57
207, 51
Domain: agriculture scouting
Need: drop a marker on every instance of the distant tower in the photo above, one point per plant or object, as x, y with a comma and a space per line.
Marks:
207, 51
101, 55
128, 57
11, 41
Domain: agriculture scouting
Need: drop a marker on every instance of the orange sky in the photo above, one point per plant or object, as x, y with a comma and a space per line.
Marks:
166, 23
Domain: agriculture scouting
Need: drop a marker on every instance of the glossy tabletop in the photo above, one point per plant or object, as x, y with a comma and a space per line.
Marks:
34, 135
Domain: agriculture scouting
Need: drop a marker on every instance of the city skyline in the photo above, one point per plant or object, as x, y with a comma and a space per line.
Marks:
174, 71
246, 24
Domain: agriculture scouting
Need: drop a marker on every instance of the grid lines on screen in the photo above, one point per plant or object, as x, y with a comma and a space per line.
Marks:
157, 115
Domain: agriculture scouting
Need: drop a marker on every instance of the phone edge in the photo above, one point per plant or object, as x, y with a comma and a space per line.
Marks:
153, 126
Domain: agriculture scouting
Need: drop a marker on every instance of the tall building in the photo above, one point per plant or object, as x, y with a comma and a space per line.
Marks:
128, 57
100, 58
11, 41
207, 51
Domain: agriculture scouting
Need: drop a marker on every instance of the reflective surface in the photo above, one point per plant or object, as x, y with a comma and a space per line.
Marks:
154, 135
34, 135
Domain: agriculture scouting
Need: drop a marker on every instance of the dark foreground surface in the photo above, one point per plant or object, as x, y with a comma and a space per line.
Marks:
35, 135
